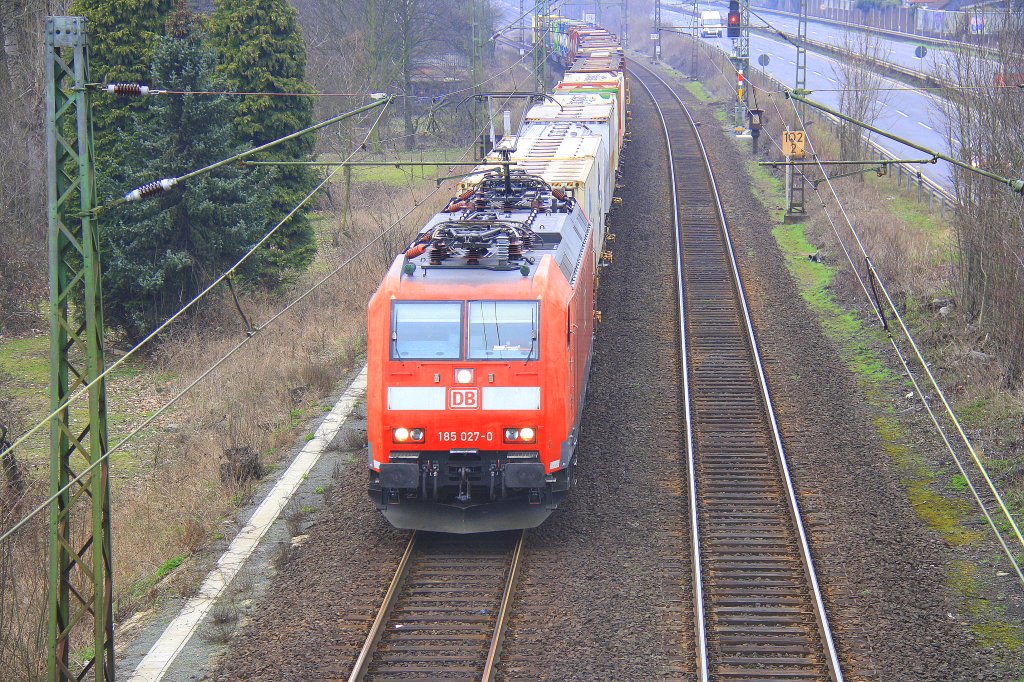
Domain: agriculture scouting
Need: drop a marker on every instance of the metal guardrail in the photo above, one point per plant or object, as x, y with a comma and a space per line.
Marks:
921, 77
931, 40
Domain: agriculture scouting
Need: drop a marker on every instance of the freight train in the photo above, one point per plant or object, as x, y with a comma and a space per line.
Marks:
480, 336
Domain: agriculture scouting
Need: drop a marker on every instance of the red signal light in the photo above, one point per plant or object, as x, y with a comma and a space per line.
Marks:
732, 25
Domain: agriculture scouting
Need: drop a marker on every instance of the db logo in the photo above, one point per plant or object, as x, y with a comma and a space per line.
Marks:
463, 398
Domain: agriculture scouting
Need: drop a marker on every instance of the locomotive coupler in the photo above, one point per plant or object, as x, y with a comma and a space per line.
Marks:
463, 495
494, 474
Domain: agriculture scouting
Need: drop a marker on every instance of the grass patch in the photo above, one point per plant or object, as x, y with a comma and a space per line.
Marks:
27, 361
914, 216
957, 483
402, 176
769, 190
696, 89
988, 409
944, 515
857, 346
986, 624
169, 565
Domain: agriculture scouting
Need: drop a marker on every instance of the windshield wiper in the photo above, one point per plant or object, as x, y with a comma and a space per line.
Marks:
394, 344
533, 338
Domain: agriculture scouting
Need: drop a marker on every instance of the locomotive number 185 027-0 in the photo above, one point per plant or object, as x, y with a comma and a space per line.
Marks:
466, 436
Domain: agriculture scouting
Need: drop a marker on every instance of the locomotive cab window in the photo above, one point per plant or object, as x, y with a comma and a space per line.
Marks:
504, 330
426, 331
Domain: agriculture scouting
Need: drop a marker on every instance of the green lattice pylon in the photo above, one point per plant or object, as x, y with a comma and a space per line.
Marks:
80, 552
476, 75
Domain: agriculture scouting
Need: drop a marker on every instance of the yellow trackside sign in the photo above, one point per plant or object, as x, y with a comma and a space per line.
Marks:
793, 143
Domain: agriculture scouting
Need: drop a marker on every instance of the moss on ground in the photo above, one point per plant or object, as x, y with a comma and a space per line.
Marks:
986, 622
696, 89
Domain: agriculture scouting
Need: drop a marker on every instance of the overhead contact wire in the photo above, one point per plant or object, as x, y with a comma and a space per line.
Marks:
74, 397
135, 349
149, 420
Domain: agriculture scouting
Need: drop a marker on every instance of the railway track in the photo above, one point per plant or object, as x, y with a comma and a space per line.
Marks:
444, 615
758, 607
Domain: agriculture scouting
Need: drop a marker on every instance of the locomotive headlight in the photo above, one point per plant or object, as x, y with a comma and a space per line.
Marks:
526, 434
404, 435
464, 376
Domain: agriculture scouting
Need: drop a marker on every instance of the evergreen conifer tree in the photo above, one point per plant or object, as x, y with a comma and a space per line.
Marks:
121, 35
161, 252
262, 50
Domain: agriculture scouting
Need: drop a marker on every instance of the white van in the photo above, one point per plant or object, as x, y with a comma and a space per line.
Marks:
711, 24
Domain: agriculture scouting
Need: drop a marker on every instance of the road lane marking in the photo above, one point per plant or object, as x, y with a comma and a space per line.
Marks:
902, 114
925, 125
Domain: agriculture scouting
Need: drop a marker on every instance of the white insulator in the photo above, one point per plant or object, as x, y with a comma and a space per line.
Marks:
128, 89
502, 249
151, 189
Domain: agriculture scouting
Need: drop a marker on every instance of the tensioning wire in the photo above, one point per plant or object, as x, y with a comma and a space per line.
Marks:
934, 384
201, 295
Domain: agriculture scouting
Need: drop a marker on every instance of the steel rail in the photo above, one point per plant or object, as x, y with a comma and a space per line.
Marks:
498, 638
698, 584
820, 615
390, 597
415, 594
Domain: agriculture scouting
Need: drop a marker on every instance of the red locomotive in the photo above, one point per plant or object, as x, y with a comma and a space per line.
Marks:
480, 336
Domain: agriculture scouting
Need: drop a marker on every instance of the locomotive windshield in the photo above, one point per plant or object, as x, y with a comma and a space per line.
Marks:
426, 331
503, 330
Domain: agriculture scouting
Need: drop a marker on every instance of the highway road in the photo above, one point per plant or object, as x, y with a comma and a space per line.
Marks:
911, 114
890, 49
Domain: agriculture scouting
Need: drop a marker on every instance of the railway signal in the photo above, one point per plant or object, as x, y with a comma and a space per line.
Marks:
733, 21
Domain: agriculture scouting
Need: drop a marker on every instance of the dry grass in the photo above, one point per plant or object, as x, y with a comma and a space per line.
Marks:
23, 605
908, 245
262, 397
